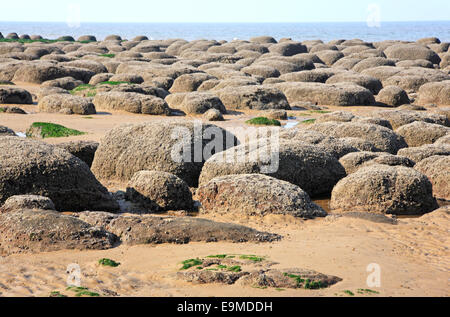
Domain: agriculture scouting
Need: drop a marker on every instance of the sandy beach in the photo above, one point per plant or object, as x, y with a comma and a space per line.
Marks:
362, 180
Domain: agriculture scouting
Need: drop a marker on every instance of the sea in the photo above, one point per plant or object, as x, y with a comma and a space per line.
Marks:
408, 31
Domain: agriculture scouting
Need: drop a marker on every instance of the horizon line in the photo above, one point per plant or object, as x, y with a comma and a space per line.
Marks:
227, 22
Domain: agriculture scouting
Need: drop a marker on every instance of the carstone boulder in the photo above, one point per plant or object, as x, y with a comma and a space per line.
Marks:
149, 229
437, 169
169, 146
131, 102
67, 83
435, 92
420, 133
189, 82
384, 189
5, 131
18, 202
253, 97
342, 94
411, 52
12, 95
310, 167
383, 138
288, 48
371, 83
49, 171
320, 75
57, 102
41, 72
84, 150
159, 191
256, 195
354, 161
420, 153
329, 57
200, 102
392, 96
128, 78
213, 115
398, 118
34, 231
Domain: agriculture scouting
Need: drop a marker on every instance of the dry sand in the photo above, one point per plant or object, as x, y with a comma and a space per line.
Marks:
413, 255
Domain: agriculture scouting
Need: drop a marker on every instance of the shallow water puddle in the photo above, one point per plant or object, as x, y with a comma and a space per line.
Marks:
324, 203
21, 134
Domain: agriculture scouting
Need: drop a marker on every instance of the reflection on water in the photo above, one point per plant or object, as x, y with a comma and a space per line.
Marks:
324, 203
290, 124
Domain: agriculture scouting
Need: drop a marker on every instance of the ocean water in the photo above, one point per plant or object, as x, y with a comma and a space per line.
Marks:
409, 31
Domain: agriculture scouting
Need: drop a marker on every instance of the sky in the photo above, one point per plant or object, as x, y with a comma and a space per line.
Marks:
224, 10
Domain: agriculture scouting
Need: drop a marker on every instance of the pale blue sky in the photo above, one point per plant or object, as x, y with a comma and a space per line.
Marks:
223, 10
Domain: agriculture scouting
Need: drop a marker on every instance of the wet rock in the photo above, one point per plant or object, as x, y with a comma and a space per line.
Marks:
342, 94
18, 202
84, 150
131, 102
5, 131
12, 95
310, 167
420, 133
398, 118
159, 191
131, 148
384, 189
392, 96
256, 195
200, 102
383, 138
213, 115
67, 83
438, 93
253, 97
354, 161
147, 229
411, 52
33, 231
437, 169
420, 153
52, 172
56, 102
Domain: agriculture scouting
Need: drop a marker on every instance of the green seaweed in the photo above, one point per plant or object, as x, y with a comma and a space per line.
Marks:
367, 291
253, 258
56, 294
108, 55
187, 264
81, 291
263, 121
217, 256
350, 293
52, 130
108, 262
235, 268
82, 88
313, 284
310, 121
